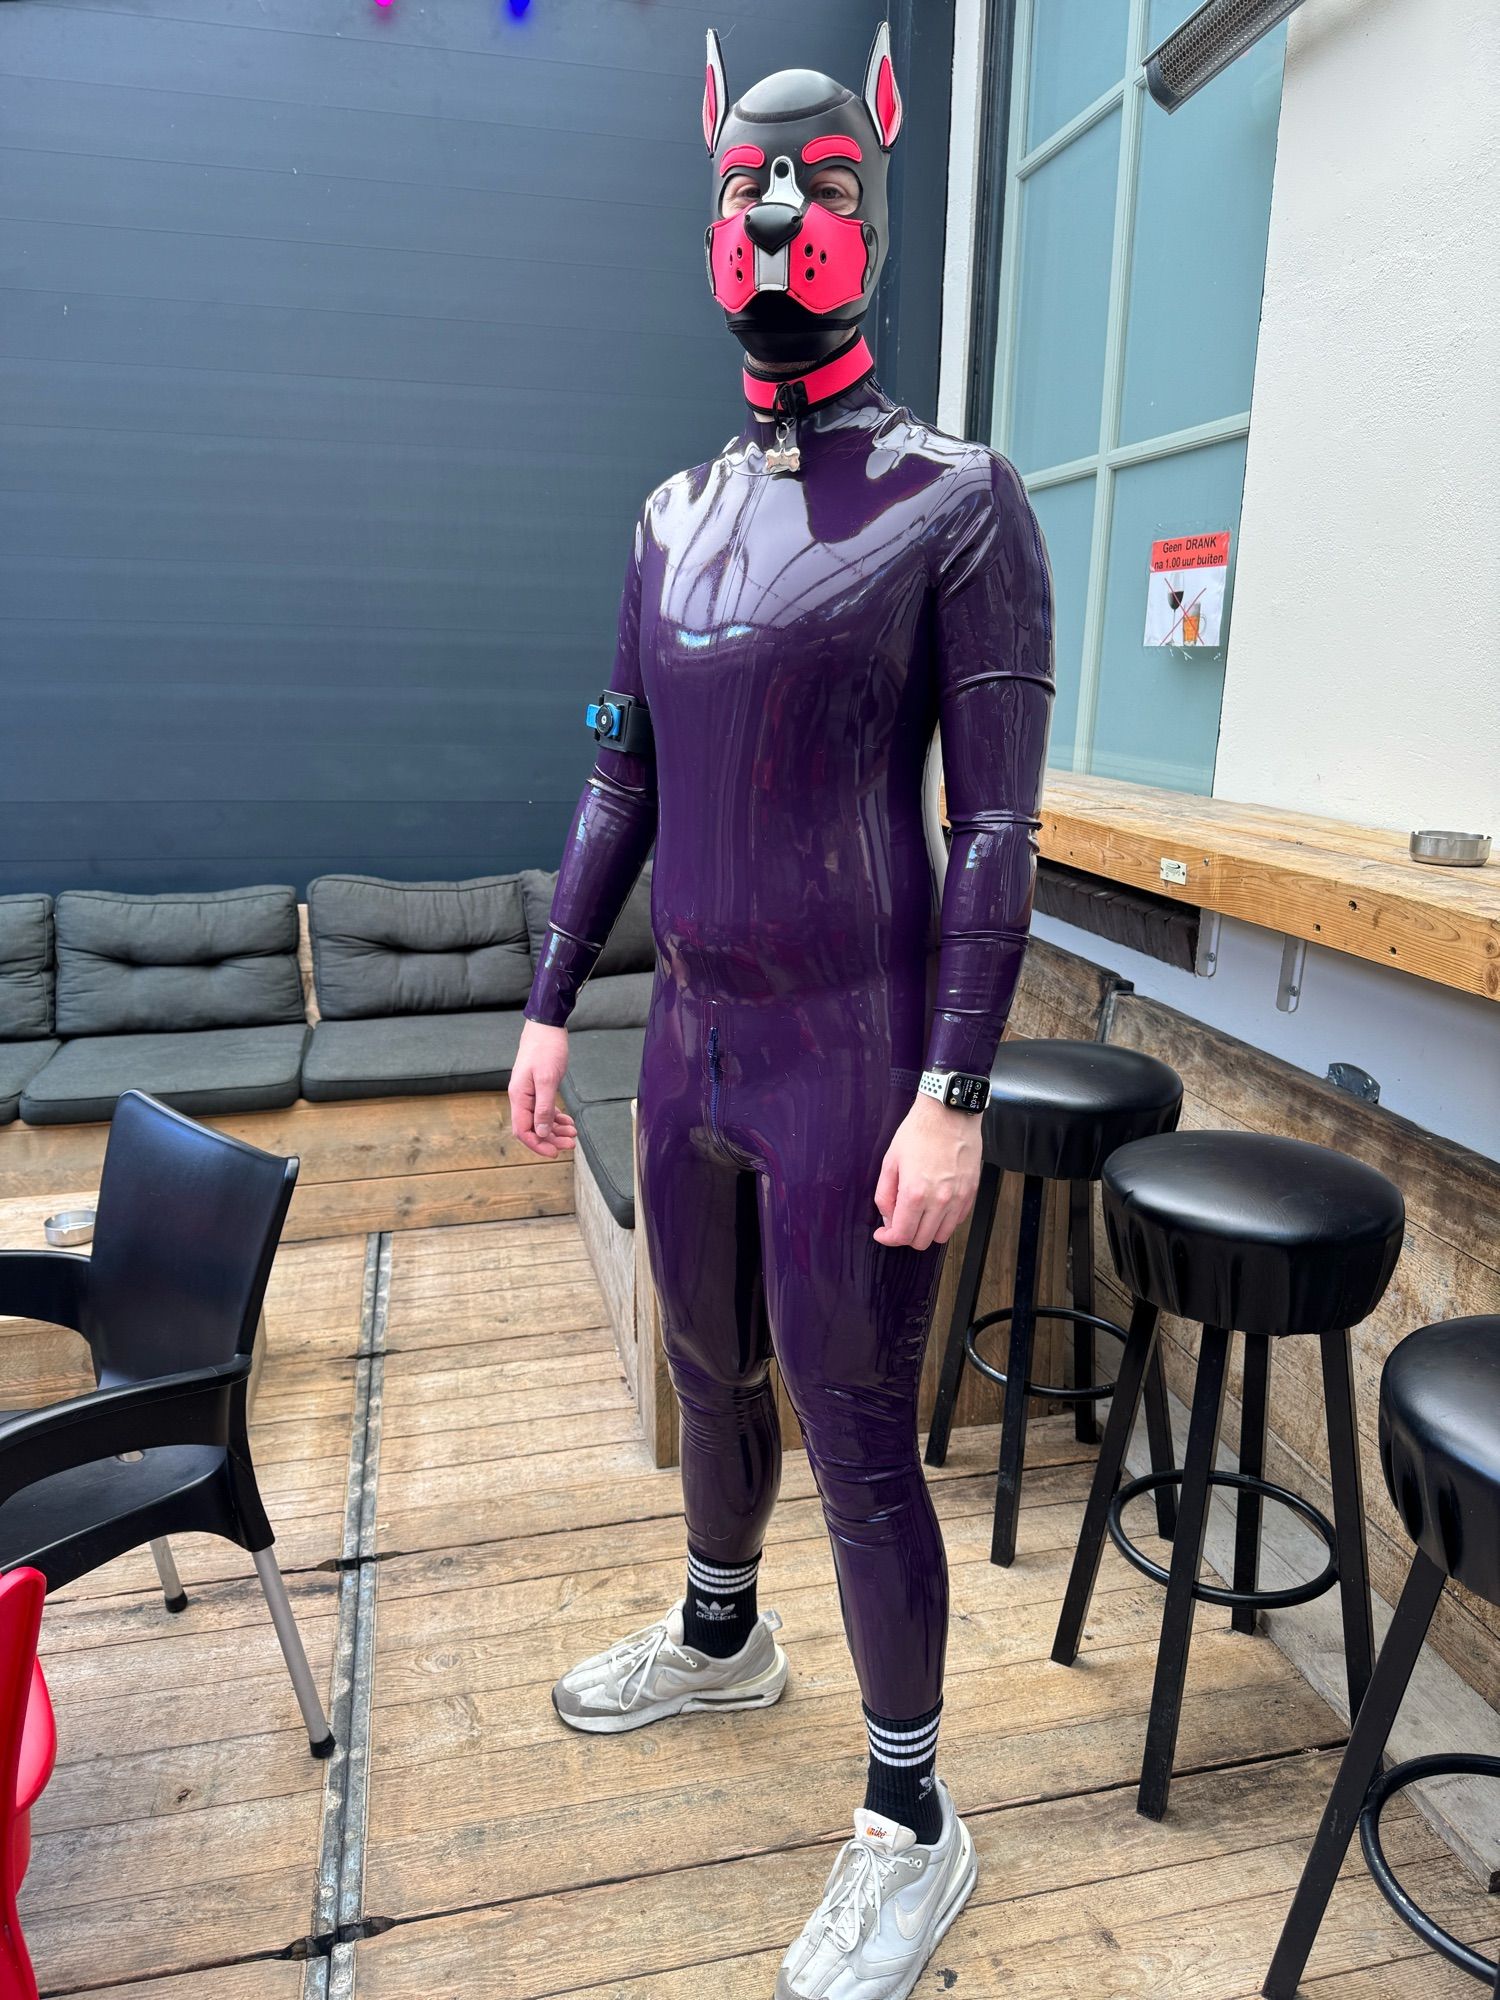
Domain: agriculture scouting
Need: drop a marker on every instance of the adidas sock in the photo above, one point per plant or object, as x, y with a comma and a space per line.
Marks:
902, 1784
718, 1613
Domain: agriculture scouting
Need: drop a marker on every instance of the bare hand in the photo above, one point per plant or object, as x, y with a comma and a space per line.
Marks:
536, 1117
930, 1175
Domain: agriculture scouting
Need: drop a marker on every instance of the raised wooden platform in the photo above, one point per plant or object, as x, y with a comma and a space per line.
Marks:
517, 1522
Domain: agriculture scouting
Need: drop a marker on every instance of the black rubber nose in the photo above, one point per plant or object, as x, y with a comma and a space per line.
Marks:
771, 224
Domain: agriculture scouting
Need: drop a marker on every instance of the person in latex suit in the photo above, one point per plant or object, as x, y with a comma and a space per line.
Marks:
800, 613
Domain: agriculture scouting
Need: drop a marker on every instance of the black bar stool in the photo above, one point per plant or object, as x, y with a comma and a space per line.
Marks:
1440, 1451
1057, 1111
1272, 1237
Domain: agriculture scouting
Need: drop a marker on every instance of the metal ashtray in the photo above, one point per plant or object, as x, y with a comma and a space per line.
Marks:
1450, 850
69, 1227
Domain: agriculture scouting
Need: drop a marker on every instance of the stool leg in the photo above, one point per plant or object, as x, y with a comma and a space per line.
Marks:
1187, 1557
1081, 1291
1254, 1409
1159, 1440
1367, 1741
1017, 1375
1349, 1515
976, 1250
1140, 1347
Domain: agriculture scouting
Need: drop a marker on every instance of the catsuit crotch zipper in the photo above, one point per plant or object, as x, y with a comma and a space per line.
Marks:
715, 1079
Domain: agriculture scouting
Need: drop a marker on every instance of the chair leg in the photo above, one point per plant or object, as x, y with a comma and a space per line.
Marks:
1017, 1375
1187, 1558
166, 1570
976, 1250
1081, 1292
1367, 1741
1254, 1409
1349, 1515
1140, 1346
1159, 1441
319, 1735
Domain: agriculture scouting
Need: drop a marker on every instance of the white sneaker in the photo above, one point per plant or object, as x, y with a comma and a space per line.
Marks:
653, 1674
886, 1904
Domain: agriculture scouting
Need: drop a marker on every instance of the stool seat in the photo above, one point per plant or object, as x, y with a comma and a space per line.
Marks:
1440, 1446
1252, 1231
1058, 1109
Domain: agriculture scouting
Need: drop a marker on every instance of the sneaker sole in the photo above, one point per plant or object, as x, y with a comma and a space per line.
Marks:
957, 1897
763, 1692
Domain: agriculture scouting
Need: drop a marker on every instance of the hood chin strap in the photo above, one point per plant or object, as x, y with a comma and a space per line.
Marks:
777, 398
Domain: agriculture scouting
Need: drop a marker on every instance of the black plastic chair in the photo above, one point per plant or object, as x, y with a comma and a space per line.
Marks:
1274, 1238
187, 1225
1440, 1452
1057, 1110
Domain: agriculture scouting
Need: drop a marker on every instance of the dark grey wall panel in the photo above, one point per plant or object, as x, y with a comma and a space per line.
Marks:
339, 344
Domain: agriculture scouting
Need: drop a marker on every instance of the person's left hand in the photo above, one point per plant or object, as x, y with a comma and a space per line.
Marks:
930, 1175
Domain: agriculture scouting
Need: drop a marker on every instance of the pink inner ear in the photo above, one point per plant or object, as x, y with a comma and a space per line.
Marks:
710, 106
887, 102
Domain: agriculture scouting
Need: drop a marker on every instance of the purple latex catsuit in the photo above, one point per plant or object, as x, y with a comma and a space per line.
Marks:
796, 638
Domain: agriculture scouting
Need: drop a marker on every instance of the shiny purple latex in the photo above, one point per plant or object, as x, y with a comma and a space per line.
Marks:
797, 638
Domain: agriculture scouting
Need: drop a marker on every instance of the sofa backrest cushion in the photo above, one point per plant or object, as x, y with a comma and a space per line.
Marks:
630, 946
26, 970
382, 948
130, 965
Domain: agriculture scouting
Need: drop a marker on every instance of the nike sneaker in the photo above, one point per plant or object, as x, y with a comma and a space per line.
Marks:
653, 1673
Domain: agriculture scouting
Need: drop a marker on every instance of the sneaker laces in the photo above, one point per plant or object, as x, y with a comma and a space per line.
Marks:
864, 1875
635, 1657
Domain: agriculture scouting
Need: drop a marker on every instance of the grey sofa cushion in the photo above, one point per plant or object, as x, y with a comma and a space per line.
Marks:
19, 1063
603, 1064
26, 970
386, 948
620, 1001
213, 1069
604, 1139
129, 965
630, 946
414, 1054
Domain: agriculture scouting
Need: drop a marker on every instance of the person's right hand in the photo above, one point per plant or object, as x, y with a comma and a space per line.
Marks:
536, 1117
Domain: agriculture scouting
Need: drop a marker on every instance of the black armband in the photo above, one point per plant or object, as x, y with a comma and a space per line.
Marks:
622, 722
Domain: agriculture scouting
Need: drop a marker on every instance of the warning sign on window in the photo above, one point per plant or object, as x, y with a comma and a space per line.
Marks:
1185, 590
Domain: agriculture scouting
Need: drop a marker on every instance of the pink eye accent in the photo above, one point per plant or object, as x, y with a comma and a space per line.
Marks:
834, 146
742, 156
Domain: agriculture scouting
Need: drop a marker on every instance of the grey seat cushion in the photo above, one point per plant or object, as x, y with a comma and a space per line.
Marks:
621, 1000
603, 1064
213, 1069
413, 1054
604, 1139
19, 1063
26, 970
630, 946
184, 962
384, 948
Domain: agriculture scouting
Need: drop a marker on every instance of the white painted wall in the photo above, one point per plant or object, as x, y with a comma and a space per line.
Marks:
1364, 663
1364, 652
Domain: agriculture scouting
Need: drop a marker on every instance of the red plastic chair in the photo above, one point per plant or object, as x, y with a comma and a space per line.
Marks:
28, 1750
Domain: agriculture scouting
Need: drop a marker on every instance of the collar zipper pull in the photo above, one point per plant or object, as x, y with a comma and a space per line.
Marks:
791, 400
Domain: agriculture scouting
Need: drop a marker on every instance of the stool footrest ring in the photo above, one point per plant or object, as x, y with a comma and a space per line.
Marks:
1213, 1593
1396, 1779
1093, 1392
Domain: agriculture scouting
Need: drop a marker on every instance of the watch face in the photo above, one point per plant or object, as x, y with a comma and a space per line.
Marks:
968, 1093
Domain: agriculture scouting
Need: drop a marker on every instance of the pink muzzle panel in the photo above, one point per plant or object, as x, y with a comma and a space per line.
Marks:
822, 267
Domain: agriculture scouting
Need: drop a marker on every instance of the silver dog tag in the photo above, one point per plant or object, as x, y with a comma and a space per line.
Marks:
783, 457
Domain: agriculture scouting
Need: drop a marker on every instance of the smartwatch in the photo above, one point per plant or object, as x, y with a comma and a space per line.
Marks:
959, 1089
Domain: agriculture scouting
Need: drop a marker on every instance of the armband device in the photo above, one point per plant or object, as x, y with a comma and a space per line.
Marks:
621, 722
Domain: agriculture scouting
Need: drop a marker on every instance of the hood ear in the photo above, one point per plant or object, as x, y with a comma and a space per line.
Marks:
882, 98
715, 94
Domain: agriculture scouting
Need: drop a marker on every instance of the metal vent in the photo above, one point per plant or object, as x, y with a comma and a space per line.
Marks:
1207, 42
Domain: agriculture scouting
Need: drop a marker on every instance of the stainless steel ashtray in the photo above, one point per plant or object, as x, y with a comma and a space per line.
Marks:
69, 1227
1450, 850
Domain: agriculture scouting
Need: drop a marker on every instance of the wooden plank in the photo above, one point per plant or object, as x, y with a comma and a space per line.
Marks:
256, 1979
1354, 889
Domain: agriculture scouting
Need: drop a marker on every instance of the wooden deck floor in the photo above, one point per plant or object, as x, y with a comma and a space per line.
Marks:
512, 1523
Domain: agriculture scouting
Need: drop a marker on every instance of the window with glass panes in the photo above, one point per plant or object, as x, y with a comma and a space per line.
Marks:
1134, 248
